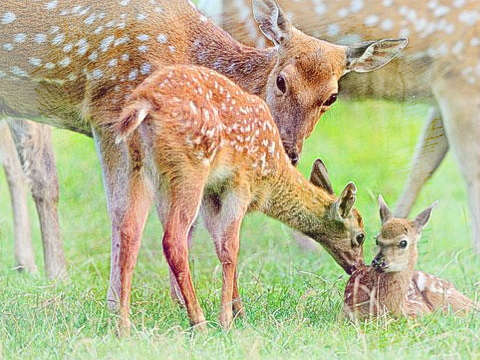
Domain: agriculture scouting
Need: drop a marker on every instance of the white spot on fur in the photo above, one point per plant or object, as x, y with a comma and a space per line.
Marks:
97, 74
133, 75
35, 62
18, 71
387, 25
8, 18
58, 39
143, 37
49, 66
67, 48
371, 20
82, 45
145, 68
143, 48
51, 5
93, 56
40, 38
8, 47
65, 62
113, 63
105, 43
121, 41
162, 38
20, 38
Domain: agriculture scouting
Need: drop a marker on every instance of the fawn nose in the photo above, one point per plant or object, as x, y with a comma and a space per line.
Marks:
378, 261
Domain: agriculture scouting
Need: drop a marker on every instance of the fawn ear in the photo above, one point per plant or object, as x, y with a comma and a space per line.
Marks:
373, 55
422, 219
345, 202
319, 176
272, 21
385, 213
130, 119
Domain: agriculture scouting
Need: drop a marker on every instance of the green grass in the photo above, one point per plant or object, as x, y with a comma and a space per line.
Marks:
292, 297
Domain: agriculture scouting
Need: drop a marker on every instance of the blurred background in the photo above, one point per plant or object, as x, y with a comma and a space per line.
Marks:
287, 290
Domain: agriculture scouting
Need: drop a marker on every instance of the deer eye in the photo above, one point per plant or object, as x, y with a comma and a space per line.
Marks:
331, 100
360, 239
402, 244
281, 84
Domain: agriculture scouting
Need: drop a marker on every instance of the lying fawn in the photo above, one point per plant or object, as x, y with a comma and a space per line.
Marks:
205, 143
73, 66
391, 285
441, 66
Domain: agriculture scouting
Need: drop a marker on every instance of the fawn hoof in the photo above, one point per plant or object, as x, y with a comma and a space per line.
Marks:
226, 320
238, 310
200, 327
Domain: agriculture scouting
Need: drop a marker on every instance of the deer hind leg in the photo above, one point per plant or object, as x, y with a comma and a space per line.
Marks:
431, 150
223, 217
17, 183
184, 202
33, 142
129, 199
461, 112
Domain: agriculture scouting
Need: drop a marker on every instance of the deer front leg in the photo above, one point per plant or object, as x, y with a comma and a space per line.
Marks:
431, 150
129, 199
33, 142
461, 115
184, 202
17, 184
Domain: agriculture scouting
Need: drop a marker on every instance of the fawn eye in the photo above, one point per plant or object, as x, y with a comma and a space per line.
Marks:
402, 244
331, 100
281, 84
360, 239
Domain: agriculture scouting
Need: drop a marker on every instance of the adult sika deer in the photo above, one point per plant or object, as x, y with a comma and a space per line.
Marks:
74, 65
440, 66
205, 141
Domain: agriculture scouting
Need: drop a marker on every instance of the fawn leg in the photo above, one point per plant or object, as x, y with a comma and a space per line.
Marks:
184, 200
17, 184
128, 199
461, 114
431, 150
223, 217
35, 150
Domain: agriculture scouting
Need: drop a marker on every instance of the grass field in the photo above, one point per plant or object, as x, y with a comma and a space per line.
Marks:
292, 297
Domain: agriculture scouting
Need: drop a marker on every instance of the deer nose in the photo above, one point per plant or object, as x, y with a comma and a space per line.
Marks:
293, 155
378, 261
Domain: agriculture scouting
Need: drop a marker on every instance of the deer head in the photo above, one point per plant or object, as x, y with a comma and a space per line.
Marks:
343, 233
397, 241
303, 83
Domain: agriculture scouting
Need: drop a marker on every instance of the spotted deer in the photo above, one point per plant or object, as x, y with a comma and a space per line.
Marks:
210, 147
441, 66
392, 285
27, 156
74, 66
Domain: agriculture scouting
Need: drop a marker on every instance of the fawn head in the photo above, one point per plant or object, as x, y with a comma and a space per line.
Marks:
304, 81
343, 234
397, 241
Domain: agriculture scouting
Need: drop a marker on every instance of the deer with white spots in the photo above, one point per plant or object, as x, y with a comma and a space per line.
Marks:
74, 66
210, 147
392, 285
440, 66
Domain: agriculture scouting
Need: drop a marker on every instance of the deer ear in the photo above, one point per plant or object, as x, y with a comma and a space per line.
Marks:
271, 20
345, 202
319, 176
385, 213
130, 119
422, 219
373, 55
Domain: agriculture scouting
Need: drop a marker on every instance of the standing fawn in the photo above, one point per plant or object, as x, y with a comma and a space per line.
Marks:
204, 143
73, 66
391, 285
441, 66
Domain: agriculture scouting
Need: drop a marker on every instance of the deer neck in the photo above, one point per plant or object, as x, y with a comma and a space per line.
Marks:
296, 202
246, 66
393, 289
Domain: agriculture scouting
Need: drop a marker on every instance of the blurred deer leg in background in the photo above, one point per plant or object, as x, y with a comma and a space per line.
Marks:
18, 186
460, 106
431, 150
34, 147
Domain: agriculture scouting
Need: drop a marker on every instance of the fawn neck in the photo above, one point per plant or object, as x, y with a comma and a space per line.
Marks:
298, 203
394, 286
248, 67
